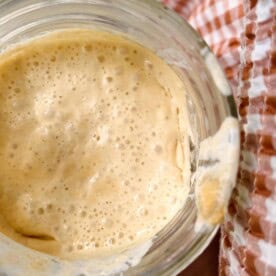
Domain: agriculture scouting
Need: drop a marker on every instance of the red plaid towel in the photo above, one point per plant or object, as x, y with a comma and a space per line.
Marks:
242, 35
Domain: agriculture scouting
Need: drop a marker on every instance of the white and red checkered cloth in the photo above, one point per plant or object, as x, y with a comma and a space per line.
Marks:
242, 34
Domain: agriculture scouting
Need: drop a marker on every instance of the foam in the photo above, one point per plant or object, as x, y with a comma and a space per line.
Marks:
89, 144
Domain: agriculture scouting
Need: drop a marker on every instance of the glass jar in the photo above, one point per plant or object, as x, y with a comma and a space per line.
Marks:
209, 103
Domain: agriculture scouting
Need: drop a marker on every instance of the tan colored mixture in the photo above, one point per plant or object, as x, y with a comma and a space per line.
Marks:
93, 151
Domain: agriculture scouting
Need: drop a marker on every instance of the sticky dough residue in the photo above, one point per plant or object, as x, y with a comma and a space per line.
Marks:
93, 150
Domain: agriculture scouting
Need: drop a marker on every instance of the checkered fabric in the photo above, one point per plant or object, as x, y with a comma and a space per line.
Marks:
242, 35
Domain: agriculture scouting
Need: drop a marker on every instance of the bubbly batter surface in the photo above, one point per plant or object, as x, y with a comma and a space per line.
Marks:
93, 150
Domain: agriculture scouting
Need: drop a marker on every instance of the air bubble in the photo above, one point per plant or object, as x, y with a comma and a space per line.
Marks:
88, 48
80, 247
49, 207
148, 64
40, 211
72, 208
123, 51
101, 59
118, 70
158, 149
83, 214
70, 248
126, 183
109, 79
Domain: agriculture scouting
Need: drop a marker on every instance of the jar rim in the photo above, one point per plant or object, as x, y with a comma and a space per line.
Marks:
11, 9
